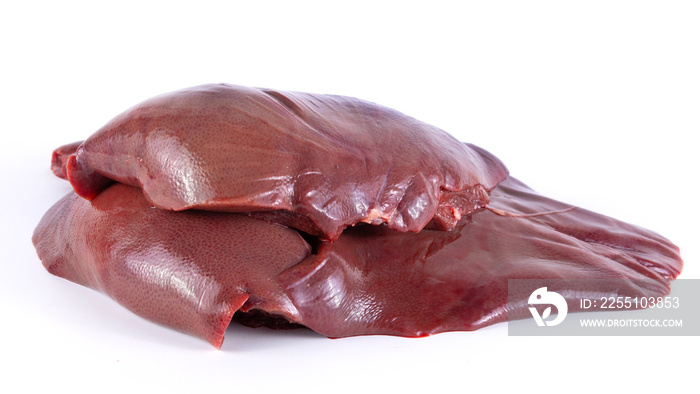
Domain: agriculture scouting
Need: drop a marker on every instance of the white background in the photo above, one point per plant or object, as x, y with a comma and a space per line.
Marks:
595, 103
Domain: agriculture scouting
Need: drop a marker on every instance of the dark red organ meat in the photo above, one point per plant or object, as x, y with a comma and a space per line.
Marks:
187, 270
315, 162
60, 157
376, 281
192, 270
319, 164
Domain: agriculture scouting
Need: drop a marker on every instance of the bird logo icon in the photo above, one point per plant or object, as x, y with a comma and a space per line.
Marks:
543, 297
